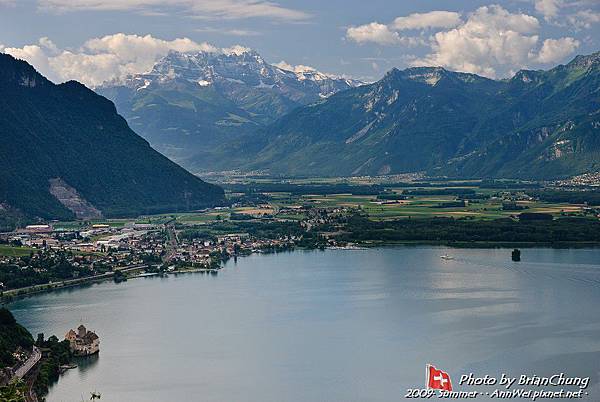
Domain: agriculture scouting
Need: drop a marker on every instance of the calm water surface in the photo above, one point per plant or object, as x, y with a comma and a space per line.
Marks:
338, 325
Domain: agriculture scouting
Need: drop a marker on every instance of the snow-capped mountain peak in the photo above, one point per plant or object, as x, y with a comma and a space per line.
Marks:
239, 66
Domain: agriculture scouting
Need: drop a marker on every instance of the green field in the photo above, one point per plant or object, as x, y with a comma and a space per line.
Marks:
288, 206
11, 251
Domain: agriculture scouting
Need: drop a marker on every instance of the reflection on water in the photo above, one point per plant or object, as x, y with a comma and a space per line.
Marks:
85, 363
339, 325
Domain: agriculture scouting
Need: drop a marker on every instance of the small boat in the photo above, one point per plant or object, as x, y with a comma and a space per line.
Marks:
446, 257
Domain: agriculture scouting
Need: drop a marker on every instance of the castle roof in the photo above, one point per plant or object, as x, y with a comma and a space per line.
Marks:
81, 327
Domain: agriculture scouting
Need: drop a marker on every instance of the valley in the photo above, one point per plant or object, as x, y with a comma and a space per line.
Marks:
252, 116
272, 216
190, 104
237, 229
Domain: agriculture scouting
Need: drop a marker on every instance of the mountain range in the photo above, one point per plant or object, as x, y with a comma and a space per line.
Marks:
66, 153
192, 103
537, 124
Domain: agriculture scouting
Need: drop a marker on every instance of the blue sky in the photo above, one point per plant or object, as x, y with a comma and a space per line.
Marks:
94, 40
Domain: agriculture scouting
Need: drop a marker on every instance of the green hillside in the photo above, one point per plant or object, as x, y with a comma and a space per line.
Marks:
12, 336
71, 138
539, 124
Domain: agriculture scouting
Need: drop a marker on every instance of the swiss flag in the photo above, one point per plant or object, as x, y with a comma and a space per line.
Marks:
438, 379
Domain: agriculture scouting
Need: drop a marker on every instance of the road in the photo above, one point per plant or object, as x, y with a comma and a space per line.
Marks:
173, 241
31, 396
35, 357
70, 282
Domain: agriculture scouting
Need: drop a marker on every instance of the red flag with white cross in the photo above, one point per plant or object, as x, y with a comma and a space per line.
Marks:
438, 379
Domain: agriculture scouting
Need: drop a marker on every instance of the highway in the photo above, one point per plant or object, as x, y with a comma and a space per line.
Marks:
67, 283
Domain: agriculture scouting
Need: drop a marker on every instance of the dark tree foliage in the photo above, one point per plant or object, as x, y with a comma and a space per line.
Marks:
58, 353
535, 216
441, 191
42, 269
572, 197
12, 335
463, 230
304, 189
508, 184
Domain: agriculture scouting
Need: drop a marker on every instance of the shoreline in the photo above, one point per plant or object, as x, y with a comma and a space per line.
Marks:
11, 295
14, 294
480, 244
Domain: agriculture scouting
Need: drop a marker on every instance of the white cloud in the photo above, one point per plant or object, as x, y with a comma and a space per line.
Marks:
491, 41
380, 34
209, 9
584, 19
102, 59
433, 19
494, 42
236, 49
576, 13
383, 34
302, 69
232, 32
34, 55
548, 8
296, 69
373, 32
554, 50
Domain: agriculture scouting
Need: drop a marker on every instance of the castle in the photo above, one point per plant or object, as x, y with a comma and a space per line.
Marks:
83, 342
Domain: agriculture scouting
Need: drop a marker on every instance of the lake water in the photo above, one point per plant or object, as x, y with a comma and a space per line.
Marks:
336, 325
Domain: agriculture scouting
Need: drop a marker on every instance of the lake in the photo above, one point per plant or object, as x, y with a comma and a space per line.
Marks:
335, 325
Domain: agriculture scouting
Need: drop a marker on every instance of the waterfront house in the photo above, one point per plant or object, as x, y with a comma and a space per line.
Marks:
83, 342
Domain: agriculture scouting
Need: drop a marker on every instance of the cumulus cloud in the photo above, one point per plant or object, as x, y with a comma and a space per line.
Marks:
548, 8
209, 9
576, 13
584, 19
111, 57
556, 49
236, 49
35, 55
433, 19
373, 32
380, 34
389, 34
489, 41
494, 42
300, 68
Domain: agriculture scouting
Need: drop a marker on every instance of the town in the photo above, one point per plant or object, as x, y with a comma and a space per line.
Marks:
265, 217
47, 256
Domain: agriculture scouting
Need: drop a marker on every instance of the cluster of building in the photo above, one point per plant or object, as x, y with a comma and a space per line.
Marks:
205, 252
98, 249
584, 180
83, 342
97, 237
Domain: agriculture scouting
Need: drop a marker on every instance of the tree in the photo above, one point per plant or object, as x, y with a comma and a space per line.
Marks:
6, 317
